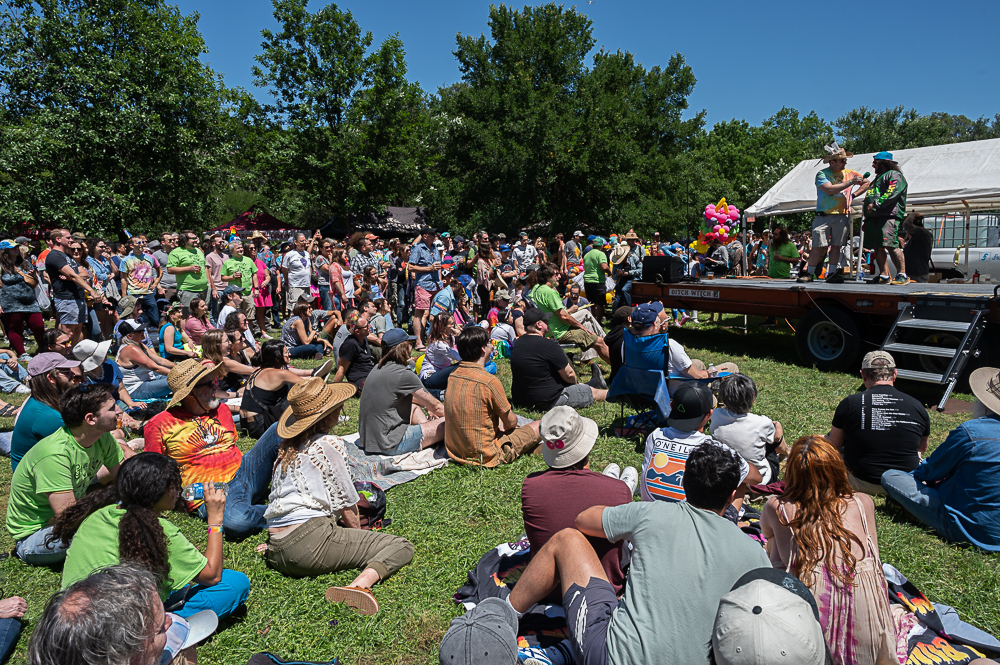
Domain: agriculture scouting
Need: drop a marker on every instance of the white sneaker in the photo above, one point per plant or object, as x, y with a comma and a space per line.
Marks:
631, 478
612, 471
344, 419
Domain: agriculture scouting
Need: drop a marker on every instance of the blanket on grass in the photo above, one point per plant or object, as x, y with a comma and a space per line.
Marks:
385, 472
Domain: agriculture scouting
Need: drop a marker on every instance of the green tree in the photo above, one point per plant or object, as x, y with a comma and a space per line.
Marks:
345, 131
867, 130
109, 118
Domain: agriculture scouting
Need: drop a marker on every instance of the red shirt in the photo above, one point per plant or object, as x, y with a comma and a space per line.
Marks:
551, 500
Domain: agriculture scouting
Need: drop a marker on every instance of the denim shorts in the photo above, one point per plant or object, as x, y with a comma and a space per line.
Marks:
71, 312
412, 439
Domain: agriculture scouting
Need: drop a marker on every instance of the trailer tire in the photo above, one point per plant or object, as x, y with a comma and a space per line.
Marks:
828, 338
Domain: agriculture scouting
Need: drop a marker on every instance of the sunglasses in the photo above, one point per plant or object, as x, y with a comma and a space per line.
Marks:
207, 384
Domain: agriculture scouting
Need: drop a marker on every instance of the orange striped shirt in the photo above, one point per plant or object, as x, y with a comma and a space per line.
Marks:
473, 404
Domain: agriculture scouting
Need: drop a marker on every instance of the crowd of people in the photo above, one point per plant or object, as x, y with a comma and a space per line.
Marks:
164, 353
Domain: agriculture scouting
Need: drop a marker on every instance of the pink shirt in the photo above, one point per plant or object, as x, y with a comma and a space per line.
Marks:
214, 263
195, 329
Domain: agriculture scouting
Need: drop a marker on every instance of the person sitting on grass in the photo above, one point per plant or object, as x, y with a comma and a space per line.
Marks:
668, 448
391, 419
199, 434
824, 533
172, 338
441, 357
542, 376
12, 375
98, 368
56, 472
312, 515
144, 373
685, 558
354, 360
956, 490
298, 334
620, 321
49, 376
480, 426
872, 443
265, 395
758, 439
232, 299
551, 499
124, 523
199, 322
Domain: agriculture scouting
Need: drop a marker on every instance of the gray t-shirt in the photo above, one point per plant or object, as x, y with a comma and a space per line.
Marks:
384, 411
168, 281
299, 268
685, 559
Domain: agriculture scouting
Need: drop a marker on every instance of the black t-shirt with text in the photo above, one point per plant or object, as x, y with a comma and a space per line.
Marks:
882, 430
358, 354
63, 288
535, 363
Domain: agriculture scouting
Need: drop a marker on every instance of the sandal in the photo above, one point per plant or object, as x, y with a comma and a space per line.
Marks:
363, 600
8, 411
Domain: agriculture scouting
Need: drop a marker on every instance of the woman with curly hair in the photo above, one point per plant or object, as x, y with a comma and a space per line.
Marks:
824, 533
124, 522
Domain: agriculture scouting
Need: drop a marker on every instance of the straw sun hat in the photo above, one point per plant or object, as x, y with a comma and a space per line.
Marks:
309, 402
185, 375
985, 384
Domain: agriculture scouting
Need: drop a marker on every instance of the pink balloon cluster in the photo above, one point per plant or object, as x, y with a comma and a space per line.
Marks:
721, 223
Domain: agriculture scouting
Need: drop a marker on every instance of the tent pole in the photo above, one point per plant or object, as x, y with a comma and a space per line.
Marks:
967, 218
744, 261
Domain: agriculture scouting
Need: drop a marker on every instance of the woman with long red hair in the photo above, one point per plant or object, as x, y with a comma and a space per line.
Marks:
824, 533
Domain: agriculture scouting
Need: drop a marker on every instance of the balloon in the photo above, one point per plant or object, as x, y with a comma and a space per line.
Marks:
716, 227
733, 210
722, 219
710, 206
725, 228
709, 215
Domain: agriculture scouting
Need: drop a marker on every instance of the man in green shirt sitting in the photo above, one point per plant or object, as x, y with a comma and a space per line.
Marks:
187, 263
59, 468
239, 270
581, 328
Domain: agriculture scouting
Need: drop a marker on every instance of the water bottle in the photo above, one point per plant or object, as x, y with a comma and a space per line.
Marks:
196, 491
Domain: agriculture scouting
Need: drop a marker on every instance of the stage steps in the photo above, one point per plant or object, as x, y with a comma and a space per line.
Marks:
933, 340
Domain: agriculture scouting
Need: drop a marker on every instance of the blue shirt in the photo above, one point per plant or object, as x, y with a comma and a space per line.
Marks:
424, 256
966, 471
444, 301
35, 422
111, 374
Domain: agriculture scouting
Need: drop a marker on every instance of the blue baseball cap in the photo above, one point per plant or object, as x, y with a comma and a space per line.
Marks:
396, 336
7, 244
591, 237
504, 248
883, 155
646, 313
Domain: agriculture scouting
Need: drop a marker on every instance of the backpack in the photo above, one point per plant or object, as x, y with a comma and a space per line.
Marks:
371, 507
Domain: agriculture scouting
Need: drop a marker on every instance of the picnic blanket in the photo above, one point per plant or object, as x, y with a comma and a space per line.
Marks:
385, 472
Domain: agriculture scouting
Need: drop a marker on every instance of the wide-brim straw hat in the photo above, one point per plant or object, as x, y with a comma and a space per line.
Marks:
185, 375
310, 401
619, 253
985, 384
834, 151
630, 235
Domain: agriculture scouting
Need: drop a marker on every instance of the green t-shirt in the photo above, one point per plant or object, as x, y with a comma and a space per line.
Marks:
685, 559
782, 269
57, 463
547, 299
182, 257
95, 546
246, 267
592, 261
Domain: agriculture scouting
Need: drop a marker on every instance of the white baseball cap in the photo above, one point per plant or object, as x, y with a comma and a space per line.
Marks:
184, 633
567, 437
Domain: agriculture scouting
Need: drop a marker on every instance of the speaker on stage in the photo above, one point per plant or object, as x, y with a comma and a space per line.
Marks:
666, 269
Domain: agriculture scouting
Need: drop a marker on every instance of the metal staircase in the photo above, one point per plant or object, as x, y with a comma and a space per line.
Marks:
934, 339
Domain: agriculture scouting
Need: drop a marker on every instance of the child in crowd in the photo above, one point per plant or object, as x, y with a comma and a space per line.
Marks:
758, 439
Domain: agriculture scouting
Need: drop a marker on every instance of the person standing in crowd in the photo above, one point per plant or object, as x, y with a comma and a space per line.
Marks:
296, 271
833, 205
572, 251
627, 268
262, 301
213, 265
141, 274
524, 253
68, 285
321, 264
18, 302
187, 264
425, 264
240, 271
596, 271
917, 251
364, 256
880, 428
167, 290
884, 209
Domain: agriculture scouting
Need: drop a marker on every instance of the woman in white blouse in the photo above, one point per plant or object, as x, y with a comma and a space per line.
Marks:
312, 489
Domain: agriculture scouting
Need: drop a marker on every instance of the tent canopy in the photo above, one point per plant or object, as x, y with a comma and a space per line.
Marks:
939, 178
254, 220
392, 220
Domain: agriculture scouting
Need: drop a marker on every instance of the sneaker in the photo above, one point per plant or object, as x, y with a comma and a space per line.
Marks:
532, 656
597, 377
343, 419
684, 319
836, 277
323, 369
630, 476
805, 279
879, 279
901, 279
612, 471
363, 600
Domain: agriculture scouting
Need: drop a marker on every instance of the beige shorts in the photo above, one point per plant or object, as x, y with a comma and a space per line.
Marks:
830, 230
581, 338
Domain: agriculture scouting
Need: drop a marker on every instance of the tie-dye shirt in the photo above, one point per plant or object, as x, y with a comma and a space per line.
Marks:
140, 272
833, 204
203, 446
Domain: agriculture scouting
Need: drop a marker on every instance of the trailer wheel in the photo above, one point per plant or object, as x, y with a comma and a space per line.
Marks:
828, 338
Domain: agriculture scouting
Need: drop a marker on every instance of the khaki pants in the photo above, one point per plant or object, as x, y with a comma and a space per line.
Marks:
248, 308
319, 546
292, 295
864, 486
590, 324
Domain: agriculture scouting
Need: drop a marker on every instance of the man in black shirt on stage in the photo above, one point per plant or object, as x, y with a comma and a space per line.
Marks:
917, 251
881, 428
543, 378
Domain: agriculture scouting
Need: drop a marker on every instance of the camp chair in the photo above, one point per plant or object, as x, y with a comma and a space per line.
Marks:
640, 382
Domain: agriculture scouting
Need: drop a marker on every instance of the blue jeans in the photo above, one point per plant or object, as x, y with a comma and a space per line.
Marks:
33, 551
324, 298
10, 630
305, 350
155, 389
222, 598
919, 500
5, 441
10, 379
248, 490
150, 310
439, 379
623, 294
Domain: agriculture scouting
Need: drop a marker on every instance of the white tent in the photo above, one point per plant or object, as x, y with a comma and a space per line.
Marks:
941, 178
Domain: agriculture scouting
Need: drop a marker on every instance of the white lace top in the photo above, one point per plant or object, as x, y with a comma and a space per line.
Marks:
317, 484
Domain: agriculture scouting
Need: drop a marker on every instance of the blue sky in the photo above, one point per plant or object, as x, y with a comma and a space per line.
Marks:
750, 58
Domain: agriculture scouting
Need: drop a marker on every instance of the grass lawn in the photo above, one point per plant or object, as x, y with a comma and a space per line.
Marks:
454, 515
